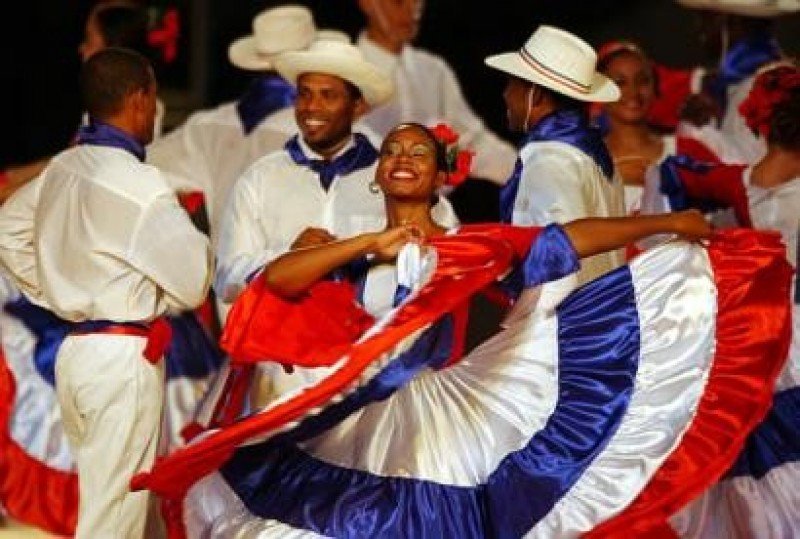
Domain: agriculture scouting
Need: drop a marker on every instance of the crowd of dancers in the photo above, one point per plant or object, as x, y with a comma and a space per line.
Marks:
256, 325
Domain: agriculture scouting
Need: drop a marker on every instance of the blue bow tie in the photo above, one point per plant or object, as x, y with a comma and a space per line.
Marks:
361, 155
99, 133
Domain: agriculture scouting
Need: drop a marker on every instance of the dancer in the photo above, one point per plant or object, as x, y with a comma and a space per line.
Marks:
564, 171
757, 498
546, 429
108, 247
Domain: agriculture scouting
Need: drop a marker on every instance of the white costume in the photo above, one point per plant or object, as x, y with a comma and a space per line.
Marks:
98, 236
427, 91
210, 151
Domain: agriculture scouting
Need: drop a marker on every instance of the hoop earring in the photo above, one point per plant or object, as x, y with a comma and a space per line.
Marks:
374, 188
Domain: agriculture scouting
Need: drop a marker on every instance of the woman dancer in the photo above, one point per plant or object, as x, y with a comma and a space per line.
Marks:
548, 428
757, 498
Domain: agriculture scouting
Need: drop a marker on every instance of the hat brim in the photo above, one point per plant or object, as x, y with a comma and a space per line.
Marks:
602, 89
744, 10
375, 86
243, 54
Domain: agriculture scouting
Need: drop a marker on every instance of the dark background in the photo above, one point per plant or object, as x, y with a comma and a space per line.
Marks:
41, 106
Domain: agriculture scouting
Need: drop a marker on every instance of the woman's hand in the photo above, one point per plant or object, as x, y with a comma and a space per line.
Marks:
690, 225
387, 244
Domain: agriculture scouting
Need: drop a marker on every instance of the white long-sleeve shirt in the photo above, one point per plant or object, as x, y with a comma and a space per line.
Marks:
427, 92
100, 236
210, 151
276, 199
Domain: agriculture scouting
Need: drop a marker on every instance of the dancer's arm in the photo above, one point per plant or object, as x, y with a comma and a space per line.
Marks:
594, 236
294, 272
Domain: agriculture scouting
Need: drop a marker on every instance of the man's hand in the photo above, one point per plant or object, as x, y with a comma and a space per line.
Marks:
311, 237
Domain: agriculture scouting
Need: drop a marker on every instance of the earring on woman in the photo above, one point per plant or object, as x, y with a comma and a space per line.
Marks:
374, 187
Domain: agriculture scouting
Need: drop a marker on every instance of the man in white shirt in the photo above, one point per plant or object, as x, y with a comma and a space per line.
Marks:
214, 147
426, 89
564, 171
100, 240
319, 187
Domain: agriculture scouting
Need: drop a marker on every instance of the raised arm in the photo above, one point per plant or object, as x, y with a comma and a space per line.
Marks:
294, 272
594, 236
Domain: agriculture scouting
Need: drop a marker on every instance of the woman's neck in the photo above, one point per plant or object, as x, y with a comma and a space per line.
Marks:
412, 213
776, 168
626, 136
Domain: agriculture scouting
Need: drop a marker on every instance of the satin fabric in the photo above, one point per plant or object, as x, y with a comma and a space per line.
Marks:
97, 133
566, 126
361, 155
774, 442
38, 484
688, 184
465, 421
468, 263
265, 95
667, 389
752, 346
742, 60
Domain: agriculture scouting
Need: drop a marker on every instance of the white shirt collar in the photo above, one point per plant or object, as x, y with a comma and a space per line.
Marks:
311, 154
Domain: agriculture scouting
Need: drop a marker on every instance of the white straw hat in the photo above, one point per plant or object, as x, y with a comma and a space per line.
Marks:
340, 59
746, 8
332, 34
560, 61
275, 31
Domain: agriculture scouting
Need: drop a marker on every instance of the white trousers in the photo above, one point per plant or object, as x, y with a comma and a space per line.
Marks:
111, 401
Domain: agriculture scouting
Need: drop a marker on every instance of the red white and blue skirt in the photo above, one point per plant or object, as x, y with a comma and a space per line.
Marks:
602, 418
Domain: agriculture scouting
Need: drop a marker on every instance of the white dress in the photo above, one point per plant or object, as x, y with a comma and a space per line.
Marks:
503, 432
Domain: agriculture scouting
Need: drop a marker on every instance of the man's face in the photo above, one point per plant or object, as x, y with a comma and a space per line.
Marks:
397, 19
325, 110
515, 96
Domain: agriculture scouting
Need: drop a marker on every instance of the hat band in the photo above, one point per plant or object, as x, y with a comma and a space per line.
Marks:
551, 74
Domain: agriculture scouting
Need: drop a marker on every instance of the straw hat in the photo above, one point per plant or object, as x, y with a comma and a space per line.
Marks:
341, 59
746, 8
560, 61
275, 31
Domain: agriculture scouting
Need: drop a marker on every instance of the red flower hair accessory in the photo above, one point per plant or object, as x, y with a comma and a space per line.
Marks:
165, 35
770, 88
459, 162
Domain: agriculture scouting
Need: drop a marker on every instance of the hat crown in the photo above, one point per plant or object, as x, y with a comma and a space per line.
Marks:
561, 54
333, 48
284, 28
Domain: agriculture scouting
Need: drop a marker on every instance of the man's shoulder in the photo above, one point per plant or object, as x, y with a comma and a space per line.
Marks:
428, 58
276, 164
224, 114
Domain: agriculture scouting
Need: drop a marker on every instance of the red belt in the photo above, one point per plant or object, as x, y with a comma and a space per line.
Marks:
158, 334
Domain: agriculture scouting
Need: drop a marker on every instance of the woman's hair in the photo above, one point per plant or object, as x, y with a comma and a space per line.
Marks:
615, 49
441, 149
123, 24
784, 124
